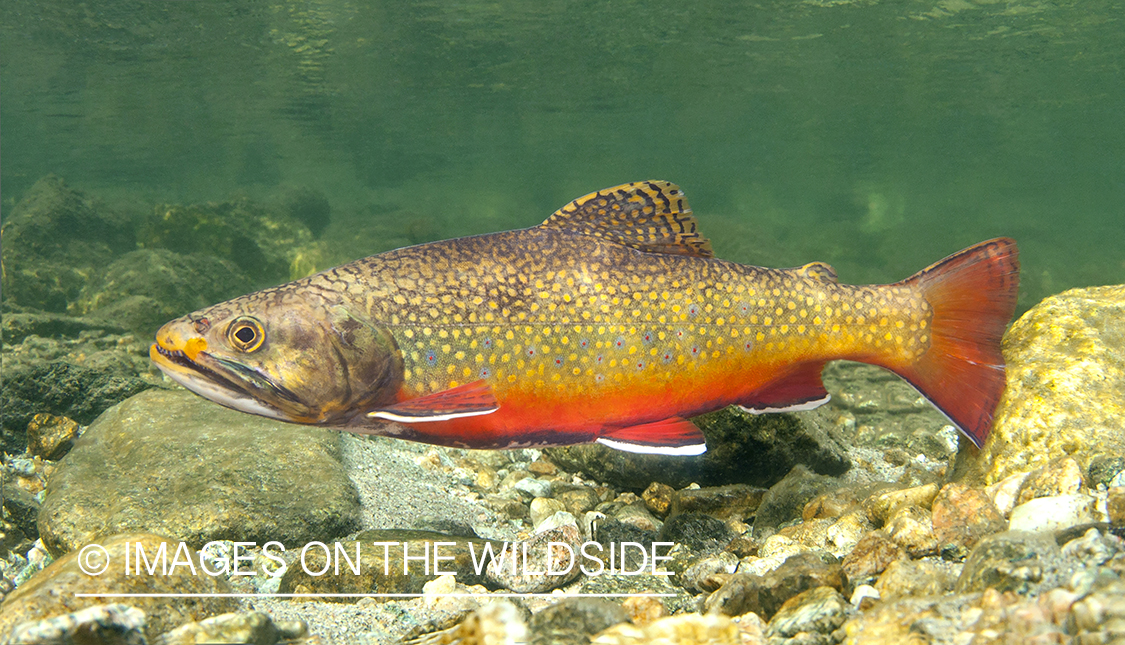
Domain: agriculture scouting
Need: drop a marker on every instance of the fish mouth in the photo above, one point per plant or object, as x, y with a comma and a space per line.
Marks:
223, 381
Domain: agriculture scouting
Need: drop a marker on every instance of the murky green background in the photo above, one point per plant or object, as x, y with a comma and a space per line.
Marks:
879, 136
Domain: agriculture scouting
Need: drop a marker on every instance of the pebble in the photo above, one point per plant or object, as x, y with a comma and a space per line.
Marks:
870, 557
1009, 561
544, 507
659, 498
643, 610
962, 516
882, 506
1054, 514
765, 594
684, 629
1115, 505
911, 527
701, 533
527, 567
1059, 477
555, 521
575, 620
247, 627
50, 436
104, 624
738, 501
534, 487
903, 578
1004, 492
709, 573
816, 611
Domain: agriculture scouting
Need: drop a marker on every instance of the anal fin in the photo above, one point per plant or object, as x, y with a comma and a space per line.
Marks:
800, 389
672, 436
469, 400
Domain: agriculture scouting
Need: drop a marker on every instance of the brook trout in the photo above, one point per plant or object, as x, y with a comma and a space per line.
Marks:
609, 322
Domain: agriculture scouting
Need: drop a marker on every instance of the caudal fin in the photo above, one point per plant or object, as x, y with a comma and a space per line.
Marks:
973, 296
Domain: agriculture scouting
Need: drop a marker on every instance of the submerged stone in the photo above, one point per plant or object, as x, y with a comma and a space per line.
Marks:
173, 463
1066, 371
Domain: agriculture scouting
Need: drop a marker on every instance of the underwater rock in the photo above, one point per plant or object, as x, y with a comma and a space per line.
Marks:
308, 206
543, 562
961, 516
742, 448
1009, 561
105, 625
906, 578
49, 436
18, 323
59, 388
246, 627
146, 288
871, 556
764, 595
737, 501
786, 499
684, 629
499, 622
817, 611
171, 462
53, 591
701, 533
1066, 371
270, 246
54, 239
574, 620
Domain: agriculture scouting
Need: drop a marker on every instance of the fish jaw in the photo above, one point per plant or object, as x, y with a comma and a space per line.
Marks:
186, 361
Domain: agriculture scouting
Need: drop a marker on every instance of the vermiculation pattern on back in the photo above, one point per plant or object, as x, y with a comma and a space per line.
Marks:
569, 309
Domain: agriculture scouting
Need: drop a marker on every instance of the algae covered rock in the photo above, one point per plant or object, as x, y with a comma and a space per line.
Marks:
54, 240
269, 246
1066, 375
172, 463
60, 388
144, 289
742, 448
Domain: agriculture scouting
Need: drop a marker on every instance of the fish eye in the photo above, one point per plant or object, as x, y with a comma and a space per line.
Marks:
246, 334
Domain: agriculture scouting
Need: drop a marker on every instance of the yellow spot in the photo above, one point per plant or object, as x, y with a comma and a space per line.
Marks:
459, 355
409, 333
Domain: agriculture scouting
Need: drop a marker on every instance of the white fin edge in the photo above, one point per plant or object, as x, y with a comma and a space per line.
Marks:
640, 449
402, 418
800, 407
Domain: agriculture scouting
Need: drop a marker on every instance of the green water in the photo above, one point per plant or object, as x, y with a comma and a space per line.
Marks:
879, 136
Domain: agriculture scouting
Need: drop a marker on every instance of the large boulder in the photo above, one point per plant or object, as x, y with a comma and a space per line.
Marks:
1066, 375
54, 240
169, 462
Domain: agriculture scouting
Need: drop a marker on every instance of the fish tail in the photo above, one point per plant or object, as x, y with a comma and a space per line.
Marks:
973, 296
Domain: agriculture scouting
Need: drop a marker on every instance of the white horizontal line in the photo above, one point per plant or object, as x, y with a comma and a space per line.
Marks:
374, 595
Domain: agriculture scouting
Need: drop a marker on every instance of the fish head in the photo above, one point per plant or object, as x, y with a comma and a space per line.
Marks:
289, 361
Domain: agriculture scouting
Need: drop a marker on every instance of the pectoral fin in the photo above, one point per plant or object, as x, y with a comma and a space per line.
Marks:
469, 400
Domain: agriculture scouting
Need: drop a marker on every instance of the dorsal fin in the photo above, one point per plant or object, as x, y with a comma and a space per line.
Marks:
650, 216
818, 271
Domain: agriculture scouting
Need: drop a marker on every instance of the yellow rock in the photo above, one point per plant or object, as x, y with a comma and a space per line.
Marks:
1066, 373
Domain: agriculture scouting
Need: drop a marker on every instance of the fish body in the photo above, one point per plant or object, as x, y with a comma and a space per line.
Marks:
609, 322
